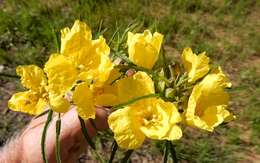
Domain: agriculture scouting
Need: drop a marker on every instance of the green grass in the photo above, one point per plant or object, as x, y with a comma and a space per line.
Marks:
228, 30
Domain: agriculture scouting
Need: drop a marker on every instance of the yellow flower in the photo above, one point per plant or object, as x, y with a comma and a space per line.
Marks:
144, 48
33, 101
90, 56
151, 118
196, 65
62, 76
208, 102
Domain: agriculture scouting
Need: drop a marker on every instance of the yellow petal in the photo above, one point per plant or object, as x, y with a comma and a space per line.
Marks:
144, 48
159, 120
27, 102
59, 103
73, 39
113, 76
93, 61
101, 46
83, 99
32, 77
140, 84
196, 65
61, 74
107, 95
106, 99
125, 128
103, 72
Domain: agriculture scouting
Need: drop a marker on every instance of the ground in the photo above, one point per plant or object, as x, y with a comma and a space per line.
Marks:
229, 32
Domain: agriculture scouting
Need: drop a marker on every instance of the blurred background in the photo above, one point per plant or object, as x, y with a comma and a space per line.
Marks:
228, 30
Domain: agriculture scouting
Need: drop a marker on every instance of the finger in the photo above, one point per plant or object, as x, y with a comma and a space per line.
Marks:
101, 118
71, 134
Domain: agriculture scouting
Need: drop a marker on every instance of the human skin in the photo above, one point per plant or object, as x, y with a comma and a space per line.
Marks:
26, 147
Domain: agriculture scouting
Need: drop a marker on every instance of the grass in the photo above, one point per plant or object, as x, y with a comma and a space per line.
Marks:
228, 30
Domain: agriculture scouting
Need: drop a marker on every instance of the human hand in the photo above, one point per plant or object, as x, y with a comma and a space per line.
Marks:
71, 138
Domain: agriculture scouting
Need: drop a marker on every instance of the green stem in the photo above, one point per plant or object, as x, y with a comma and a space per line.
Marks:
85, 133
127, 156
57, 145
98, 156
166, 153
93, 124
88, 139
9, 75
44, 133
173, 152
113, 153
42, 114
134, 100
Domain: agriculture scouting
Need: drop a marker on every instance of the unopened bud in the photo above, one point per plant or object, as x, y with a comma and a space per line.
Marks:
169, 93
161, 86
161, 73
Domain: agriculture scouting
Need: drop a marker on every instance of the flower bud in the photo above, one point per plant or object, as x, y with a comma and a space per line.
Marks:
169, 93
161, 86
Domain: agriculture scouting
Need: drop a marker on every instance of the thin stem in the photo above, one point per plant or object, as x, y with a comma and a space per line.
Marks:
98, 156
9, 75
134, 100
44, 133
113, 153
127, 156
112, 38
166, 152
42, 114
93, 124
85, 133
57, 145
173, 152
88, 139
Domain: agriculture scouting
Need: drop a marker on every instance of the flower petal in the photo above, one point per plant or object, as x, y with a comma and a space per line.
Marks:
140, 84
107, 95
196, 65
83, 99
74, 39
125, 128
32, 77
61, 73
59, 104
27, 102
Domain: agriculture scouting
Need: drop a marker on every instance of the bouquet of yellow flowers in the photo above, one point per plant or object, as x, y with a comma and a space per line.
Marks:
148, 99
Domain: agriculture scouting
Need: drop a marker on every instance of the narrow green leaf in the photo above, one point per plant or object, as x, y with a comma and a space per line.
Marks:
88, 139
93, 124
42, 114
134, 100
85, 133
9, 76
44, 132
57, 145
173, 152
166, 152
127, 156
113, 153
